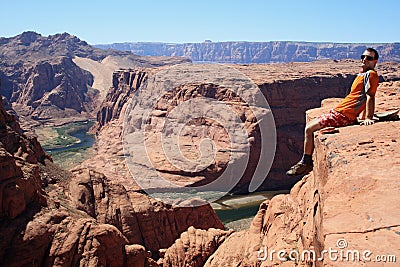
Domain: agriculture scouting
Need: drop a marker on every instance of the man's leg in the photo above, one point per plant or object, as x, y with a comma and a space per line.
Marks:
311, 127
330, 120
305, 165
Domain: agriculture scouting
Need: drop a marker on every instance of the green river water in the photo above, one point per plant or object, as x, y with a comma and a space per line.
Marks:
71, 144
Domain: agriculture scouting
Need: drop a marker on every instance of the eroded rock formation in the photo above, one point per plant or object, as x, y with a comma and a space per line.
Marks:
290, 90
55, 89
19, 156
345, 207
124, 84
141, 219
42, 81
194, 247
345, 198
51, 217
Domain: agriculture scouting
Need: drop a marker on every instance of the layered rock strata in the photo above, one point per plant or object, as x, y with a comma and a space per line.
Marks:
290, 90
54, 89
124, 84
113, 117
48, 79
342, 214
51, 217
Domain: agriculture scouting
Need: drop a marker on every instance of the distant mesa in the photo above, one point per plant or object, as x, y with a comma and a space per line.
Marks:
258, 52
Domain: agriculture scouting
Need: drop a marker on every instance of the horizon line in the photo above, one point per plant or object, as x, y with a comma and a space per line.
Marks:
242, 41
204, 41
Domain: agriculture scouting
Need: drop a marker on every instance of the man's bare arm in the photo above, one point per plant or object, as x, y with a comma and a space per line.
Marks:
362, 115
369, 110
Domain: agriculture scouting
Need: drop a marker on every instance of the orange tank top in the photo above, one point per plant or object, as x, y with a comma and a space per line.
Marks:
355, 102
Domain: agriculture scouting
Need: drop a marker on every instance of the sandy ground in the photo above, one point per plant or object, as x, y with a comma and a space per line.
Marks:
102, 71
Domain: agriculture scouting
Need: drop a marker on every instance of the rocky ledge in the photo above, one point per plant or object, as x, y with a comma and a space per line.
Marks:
344, 213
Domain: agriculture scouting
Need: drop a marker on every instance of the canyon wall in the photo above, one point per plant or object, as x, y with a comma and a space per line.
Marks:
257, 52
290, 90
20, 181
113, 119
52, 217
42, 80
124, 84
284, 98
343, 213
54, 89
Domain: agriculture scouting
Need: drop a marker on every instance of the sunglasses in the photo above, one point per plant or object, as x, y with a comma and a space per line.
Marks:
367, 57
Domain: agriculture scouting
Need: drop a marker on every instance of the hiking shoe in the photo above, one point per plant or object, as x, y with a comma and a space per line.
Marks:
300, 169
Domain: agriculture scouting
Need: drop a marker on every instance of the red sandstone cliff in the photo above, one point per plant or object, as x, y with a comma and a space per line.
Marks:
19, 156
124, 83
43, 81
345, 199
112, 115
55, 89
290, 90
51, 217
346, 206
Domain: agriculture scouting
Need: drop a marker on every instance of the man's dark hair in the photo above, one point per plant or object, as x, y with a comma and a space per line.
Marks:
369, 49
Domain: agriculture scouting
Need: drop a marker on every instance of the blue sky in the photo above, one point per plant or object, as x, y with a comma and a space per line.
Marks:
178, 21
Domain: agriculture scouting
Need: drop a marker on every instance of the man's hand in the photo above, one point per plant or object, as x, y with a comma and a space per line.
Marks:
369, 110
367, 122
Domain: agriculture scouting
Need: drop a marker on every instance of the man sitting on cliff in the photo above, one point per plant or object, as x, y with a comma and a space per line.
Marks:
360, 99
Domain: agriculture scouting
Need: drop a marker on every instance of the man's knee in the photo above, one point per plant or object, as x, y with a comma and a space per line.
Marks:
308, 131
312, 127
